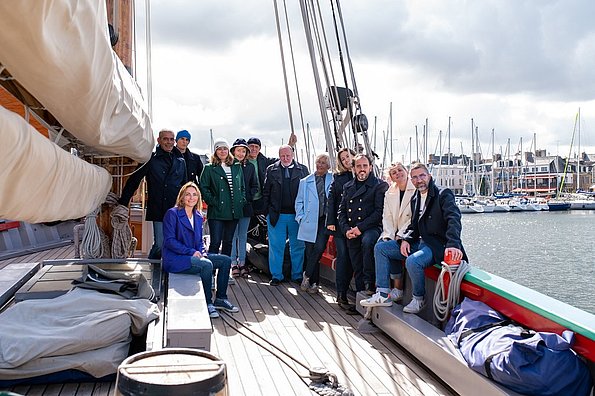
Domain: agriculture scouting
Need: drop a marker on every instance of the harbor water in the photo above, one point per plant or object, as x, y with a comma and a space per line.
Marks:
551, 252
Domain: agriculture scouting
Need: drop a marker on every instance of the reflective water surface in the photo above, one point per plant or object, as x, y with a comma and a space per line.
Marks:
551, 252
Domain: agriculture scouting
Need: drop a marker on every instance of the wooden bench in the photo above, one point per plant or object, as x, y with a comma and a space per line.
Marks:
187, 321
13, 276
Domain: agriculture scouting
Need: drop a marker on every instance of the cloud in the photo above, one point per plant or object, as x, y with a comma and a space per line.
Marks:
519, 67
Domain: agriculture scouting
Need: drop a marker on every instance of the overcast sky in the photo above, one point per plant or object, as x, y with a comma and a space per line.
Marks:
519, 67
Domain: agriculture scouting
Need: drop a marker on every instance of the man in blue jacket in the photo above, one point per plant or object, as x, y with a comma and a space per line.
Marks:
435, 230
165, 173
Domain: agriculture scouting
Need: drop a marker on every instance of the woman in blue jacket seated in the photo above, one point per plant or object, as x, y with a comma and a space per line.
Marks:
183, 250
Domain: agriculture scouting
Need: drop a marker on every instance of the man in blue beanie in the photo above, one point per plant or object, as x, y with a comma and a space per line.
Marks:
194, 164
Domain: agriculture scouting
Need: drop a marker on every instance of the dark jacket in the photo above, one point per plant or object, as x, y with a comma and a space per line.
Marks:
165, 173
362, 207
194, 166
180, 239
439, 226
250, 185
216, 193
335, 195
273, 188
263, 163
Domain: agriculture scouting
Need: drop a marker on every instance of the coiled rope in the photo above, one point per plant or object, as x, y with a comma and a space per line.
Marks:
96, 244
122, 234
322, 382
445, 300
91, 243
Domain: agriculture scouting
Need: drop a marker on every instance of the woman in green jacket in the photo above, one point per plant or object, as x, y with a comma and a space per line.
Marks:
222, 188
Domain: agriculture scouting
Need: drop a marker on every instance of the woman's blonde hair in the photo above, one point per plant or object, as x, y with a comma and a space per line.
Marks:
216, 161
395, 165
340, 168
182, 192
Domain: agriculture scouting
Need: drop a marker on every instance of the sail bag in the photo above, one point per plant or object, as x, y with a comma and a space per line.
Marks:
528, 362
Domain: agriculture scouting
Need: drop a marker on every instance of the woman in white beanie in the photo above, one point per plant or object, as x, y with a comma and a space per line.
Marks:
222, 188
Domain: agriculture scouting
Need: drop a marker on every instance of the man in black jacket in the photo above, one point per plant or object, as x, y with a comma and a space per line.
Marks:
435, 231
281, 185
360, 220
194, 164
165, 173
261, 163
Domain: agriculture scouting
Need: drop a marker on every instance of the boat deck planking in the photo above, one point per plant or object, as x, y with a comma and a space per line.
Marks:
311, 328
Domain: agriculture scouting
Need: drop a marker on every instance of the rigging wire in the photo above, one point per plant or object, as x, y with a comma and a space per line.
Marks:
323, 381
278, 23
297, 88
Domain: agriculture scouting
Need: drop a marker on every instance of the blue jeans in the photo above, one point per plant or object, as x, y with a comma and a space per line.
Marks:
388, 257
361, 252
343, 267
221, 232
313, 253
204, 267
240, 238
286, 228
420, 258
155, 252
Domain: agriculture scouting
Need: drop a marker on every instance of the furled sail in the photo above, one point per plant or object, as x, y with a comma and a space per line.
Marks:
34, 169
59, 50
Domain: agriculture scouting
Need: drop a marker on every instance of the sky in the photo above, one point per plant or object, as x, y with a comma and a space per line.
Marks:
520, 68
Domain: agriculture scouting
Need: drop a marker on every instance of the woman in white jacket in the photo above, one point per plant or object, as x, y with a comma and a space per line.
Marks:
396, 217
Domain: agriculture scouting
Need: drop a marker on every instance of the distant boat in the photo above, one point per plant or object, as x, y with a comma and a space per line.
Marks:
558, 206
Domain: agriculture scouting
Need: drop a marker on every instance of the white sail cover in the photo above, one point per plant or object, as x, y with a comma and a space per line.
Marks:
59, 50
39, 181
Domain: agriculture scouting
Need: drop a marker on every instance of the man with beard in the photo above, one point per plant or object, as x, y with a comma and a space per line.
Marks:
434, 232
360, 220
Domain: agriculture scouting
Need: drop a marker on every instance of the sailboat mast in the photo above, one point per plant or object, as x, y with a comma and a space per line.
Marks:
578, 158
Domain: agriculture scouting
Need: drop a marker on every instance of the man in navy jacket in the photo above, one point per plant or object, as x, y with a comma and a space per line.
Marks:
360, 220
435, 231
165, 173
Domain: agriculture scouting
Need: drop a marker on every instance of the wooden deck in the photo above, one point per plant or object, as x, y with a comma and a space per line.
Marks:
312, 328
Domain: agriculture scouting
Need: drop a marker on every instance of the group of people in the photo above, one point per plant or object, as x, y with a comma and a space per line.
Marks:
373, 224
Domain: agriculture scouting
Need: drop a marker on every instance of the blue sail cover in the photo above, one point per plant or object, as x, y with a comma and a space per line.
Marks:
532, 363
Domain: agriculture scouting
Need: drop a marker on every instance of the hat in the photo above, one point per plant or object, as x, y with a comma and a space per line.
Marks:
254, 140
220, 142
183, 134
240, 143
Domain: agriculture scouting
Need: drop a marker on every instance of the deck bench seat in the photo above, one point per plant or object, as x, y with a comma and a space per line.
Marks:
187, 321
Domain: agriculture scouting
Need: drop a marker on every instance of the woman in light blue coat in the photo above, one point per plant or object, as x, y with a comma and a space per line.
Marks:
310, 213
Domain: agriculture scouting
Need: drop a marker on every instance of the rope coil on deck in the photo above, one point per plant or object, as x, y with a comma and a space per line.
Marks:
91, 244
445, 300
122, 234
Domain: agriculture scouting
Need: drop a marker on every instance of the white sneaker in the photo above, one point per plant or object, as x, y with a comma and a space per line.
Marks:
396, 295
377, 300
313, 289
414, 306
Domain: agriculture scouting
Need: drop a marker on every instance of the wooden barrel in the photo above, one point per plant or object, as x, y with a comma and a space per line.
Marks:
172, 371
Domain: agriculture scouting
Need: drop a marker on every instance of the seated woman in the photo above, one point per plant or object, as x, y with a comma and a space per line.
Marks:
183, 250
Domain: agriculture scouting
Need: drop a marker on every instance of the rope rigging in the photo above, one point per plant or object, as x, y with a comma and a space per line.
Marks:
322, 382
